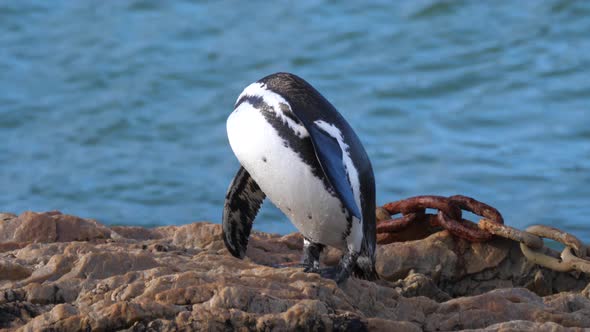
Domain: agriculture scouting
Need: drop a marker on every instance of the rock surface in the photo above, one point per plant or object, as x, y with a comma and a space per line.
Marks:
64, 273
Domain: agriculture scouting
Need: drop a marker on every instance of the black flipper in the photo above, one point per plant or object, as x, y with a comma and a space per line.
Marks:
242, 202
330, 155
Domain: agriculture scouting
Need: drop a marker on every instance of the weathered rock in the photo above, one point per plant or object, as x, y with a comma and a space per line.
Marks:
499, 306
16, 313
10, 270
523, 325
435, 257
417, 284
198, 235
7, 216
50, 227
73, 274
62, 317
460, 268
586, 291
137, 233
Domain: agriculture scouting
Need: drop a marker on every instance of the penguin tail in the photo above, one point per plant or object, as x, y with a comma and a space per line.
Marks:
365, 268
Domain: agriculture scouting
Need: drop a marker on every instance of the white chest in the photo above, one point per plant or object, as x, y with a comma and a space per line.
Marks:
285, 178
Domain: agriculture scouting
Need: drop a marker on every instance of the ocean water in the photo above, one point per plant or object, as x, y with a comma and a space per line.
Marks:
116, 110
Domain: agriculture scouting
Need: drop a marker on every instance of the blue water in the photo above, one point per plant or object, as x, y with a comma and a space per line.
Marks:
116, 110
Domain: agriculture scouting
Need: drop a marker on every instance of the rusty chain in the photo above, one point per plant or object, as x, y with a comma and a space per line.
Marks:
575, 255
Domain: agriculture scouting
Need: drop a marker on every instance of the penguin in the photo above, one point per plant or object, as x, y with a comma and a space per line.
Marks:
296, 150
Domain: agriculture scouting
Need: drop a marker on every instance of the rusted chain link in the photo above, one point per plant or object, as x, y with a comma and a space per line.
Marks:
511, 233
575, 255
449, 215
463, 228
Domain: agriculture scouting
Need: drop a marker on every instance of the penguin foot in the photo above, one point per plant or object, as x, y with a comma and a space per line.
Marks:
342, 271
310, 268
311, 256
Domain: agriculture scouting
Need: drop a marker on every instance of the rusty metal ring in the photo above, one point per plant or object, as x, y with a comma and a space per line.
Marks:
511, 233
559, 236
420, 203
386, 238
389, 237
397, 224
464, 229
381, 214
479, 208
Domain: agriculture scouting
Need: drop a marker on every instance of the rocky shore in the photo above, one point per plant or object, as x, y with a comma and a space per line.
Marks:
64, 273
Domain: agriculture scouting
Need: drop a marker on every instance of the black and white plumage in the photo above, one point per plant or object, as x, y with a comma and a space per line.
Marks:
297, 150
